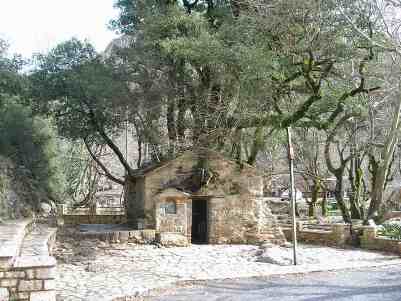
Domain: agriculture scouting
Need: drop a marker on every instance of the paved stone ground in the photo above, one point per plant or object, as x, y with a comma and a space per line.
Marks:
371, 284
95, 271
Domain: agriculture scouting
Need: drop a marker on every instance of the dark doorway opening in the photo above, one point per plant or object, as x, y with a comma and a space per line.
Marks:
199, 222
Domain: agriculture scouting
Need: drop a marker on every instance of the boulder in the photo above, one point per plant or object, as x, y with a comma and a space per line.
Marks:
275, 255
124, 236
96, 267
170, 239
142, 236
45, 209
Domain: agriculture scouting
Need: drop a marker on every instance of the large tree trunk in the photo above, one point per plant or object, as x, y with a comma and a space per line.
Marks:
153, 134
236, 150
181, 123
257, 145
324, 204
314, 198
338, 172
171, 126
355, 175
384, 163
339, 196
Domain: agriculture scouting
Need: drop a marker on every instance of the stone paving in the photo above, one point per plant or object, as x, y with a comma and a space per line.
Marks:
368, 284
96, 271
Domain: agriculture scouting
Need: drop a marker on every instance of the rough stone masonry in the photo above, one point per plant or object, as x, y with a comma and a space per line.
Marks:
221, 203
27, 272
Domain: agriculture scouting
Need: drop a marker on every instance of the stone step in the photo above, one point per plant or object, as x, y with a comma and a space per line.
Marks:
12, 234
31, 274
39, 242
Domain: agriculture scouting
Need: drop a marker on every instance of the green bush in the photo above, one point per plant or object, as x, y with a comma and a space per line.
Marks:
30, 142
391, 230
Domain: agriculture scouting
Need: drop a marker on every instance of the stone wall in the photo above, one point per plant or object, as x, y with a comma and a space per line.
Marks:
30, 279
371, 241
92, 219
237, 212
227, 178
121, 236
25, 276
234, 219
98, 215
330, 235
179, 222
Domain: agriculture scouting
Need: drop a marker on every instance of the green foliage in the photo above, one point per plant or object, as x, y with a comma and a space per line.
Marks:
4, 184
74, 84
31, 143
129, 17
391, 230
11, 82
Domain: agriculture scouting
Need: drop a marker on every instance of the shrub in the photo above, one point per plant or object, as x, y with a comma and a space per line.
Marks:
391, 230
30, 143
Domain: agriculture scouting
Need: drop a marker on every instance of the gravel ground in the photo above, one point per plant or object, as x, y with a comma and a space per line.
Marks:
371, 284
90, 270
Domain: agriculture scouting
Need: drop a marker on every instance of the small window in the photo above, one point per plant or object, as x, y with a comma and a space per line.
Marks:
169, 207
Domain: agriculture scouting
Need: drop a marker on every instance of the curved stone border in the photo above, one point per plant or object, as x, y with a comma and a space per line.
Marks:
27, 277
11, 237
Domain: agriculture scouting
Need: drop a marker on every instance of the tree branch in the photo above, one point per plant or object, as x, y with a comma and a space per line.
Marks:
108, 141
107, 173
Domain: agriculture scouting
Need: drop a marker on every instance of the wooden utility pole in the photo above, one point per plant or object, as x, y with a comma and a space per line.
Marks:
293, 194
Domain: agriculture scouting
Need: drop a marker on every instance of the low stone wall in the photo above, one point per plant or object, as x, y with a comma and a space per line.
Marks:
371, 241
97, 215
340, 235
122, 236
334, 235
63, 209
25, 277
92, 219
31, 279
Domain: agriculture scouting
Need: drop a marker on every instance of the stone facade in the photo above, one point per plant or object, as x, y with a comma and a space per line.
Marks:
226, 195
